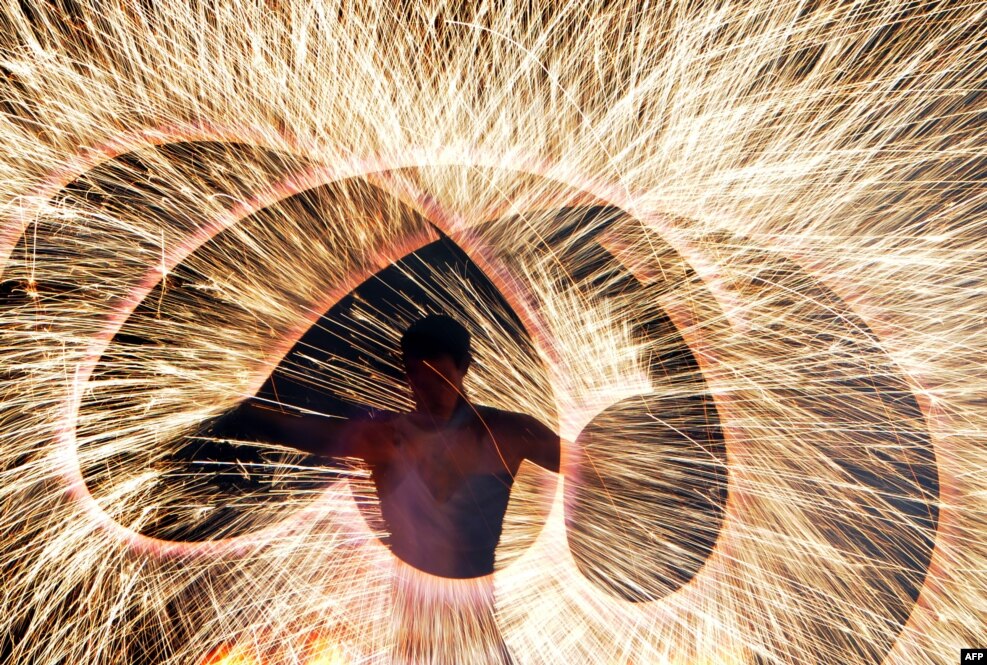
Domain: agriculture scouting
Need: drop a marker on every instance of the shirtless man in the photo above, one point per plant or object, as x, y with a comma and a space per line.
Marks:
444, 471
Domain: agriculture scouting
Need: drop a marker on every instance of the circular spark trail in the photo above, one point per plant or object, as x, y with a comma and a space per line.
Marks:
733, 252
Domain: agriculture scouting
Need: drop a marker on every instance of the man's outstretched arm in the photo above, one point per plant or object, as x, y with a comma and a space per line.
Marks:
255, 420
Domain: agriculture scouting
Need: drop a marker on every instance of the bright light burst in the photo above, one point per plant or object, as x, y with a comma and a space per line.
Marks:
743, 243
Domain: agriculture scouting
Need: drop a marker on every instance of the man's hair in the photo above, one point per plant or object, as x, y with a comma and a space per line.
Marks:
437, 335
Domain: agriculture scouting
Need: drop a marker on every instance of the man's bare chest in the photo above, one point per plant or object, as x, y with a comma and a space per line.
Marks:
444, 458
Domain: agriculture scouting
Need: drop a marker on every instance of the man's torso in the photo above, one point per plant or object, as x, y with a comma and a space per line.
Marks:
444, 487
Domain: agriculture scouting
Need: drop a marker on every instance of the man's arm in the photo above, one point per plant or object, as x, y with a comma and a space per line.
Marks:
539, 443
255, 420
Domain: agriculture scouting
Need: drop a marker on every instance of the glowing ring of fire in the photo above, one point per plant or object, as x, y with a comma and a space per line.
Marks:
76, 486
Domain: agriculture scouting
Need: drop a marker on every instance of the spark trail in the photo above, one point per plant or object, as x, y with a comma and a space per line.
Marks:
733, 251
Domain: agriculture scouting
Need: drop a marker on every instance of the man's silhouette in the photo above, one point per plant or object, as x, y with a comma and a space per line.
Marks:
444, 471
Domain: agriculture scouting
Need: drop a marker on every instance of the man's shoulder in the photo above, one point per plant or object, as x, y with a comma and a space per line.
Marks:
494, 414
512, 419
525, 436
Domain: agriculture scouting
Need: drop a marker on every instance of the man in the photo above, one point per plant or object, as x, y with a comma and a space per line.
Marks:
444, 471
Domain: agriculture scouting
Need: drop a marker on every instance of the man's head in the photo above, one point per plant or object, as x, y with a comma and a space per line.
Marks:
436, 352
